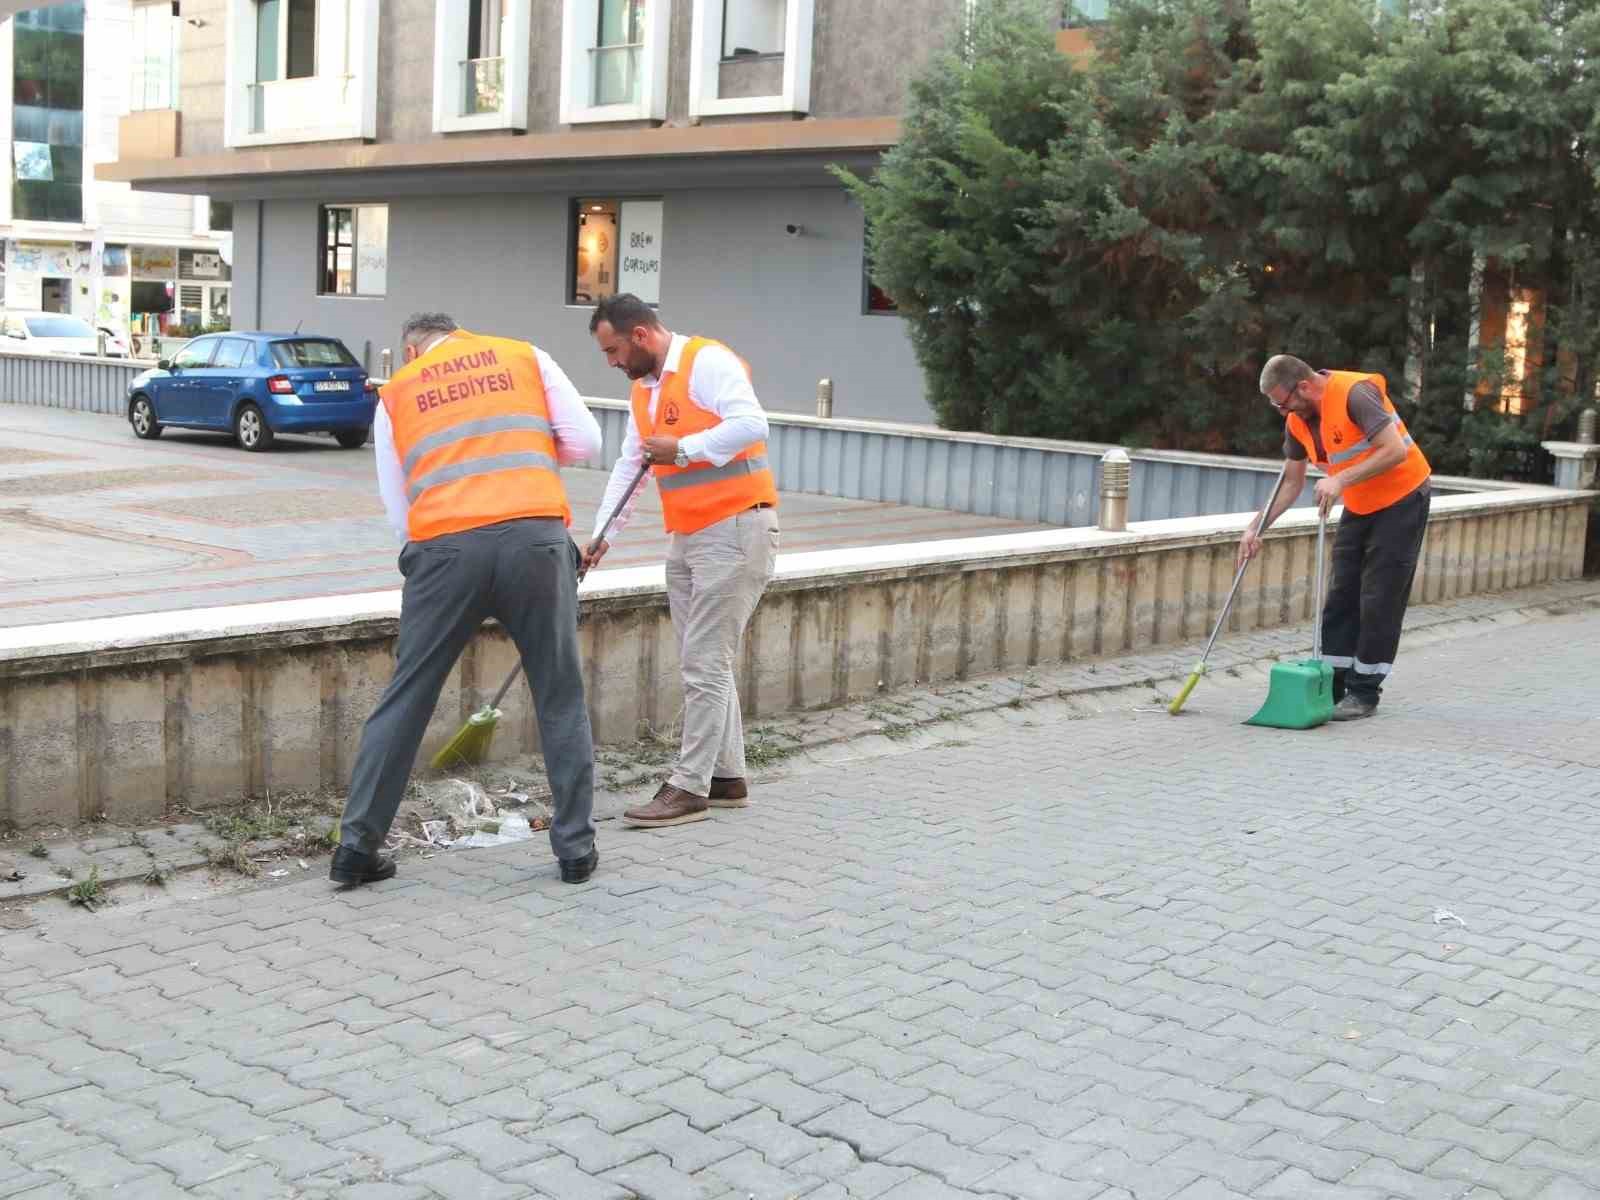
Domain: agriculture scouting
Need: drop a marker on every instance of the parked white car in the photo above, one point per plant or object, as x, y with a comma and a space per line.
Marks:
47, 333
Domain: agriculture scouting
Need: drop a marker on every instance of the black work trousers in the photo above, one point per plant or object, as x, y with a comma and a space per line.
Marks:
1374, 561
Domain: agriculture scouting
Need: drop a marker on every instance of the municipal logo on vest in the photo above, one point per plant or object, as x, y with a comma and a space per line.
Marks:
1338, 437
671, 415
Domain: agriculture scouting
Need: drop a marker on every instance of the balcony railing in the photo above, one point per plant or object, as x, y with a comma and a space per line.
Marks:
615, 70
482, 86
310, 102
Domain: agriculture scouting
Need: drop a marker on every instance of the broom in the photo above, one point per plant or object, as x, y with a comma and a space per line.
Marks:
471, 744
1200, 667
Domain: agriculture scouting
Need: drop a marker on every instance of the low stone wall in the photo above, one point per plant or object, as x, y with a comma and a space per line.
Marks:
128, 715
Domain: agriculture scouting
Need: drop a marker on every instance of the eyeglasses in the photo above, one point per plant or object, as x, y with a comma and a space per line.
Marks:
1280, 405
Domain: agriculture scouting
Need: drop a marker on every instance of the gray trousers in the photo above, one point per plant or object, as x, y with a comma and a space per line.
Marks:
715, 577
524, 574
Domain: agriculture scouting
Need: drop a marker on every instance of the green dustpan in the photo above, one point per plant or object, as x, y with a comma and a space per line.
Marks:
1300, 694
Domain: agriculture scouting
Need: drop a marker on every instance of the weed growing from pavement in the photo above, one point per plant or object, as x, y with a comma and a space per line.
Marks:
87, 892
158, 875
40, 850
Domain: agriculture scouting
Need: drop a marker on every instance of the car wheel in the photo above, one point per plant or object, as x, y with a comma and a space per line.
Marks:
142, 416
250, 428
351, 439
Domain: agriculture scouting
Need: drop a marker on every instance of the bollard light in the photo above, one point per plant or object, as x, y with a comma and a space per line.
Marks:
824, 397
1116, 469
386, 362
1586, 423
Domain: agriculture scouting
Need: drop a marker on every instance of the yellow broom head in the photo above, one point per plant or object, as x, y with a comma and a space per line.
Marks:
470, 746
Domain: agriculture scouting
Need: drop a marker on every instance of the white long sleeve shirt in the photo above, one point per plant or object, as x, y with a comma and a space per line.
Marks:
718, 384
577, 438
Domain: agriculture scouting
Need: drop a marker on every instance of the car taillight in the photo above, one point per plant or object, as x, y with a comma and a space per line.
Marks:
279, 385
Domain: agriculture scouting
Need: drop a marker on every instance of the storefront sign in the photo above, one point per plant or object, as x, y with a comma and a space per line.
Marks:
206, 265
156, 261
639, 255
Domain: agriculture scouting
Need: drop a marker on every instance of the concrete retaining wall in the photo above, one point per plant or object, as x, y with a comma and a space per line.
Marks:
127, 715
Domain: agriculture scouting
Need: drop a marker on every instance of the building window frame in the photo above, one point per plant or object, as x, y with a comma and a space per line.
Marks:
338, 102
455, 69
706, 61
580, 24
328, 252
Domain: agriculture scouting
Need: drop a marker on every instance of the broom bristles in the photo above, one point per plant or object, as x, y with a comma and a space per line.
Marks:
470, 746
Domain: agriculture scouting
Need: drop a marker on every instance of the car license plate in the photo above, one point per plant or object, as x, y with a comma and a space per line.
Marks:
331, 385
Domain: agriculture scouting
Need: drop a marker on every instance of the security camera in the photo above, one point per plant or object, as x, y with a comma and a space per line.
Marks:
794, 230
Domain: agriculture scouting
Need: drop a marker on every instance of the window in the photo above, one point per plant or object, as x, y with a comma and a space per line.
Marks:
750, 56
58, 327
196, 353
617, 51
286, 39
312, 352
753, 27
355, 250
232, 353
220, 219
155, 56
483, 71
47, 115
616, 248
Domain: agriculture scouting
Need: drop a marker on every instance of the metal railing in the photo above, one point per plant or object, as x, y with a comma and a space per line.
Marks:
482, 86
615, 70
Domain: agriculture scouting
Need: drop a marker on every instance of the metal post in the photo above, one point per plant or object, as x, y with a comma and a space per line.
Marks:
1116, 470
386, 361
824, 397
1586, 424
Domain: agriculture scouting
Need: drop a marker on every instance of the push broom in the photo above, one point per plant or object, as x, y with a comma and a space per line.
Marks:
471, 744
1200, 667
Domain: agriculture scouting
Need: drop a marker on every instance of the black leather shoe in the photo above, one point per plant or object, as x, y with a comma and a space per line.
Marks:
353, 867
578, 870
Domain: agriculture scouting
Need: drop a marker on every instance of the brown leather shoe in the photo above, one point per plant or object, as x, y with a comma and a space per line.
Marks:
728, 793
671, 806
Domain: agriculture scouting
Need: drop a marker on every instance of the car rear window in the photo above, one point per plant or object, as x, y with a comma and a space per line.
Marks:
312, 352
59, 327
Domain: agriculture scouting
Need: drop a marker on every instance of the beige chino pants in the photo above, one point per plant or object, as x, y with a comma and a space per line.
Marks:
715, 578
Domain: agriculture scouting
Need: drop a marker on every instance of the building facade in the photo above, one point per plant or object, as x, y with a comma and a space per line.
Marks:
512, 161
135, 262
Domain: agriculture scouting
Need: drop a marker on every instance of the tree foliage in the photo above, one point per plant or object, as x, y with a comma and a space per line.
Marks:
1110, 251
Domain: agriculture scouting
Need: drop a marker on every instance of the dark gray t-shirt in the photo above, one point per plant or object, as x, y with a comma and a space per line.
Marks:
1365, 407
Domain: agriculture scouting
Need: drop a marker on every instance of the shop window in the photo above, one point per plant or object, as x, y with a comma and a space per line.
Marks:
616, 248
753, 28
354, 241
154, 51
47, 114
220, 219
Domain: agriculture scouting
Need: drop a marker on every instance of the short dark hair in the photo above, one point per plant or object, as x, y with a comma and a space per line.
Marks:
624, 312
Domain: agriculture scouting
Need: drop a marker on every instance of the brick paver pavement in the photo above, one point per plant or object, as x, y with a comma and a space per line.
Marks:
1118, 955
95, 523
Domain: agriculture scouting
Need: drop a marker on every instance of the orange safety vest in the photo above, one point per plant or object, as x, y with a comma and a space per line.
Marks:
700, 494
472, 429
1346, 446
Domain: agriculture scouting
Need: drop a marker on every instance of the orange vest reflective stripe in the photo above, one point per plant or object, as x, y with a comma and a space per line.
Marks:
1346, 446
472, 429
700, 494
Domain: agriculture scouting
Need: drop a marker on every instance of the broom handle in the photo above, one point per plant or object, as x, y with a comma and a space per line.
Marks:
1316, 635
1238, 576
604, 529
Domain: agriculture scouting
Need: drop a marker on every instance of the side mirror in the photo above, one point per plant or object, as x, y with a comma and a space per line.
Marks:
164, 365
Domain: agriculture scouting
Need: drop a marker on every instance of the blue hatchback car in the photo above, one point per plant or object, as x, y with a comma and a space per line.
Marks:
256, 385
